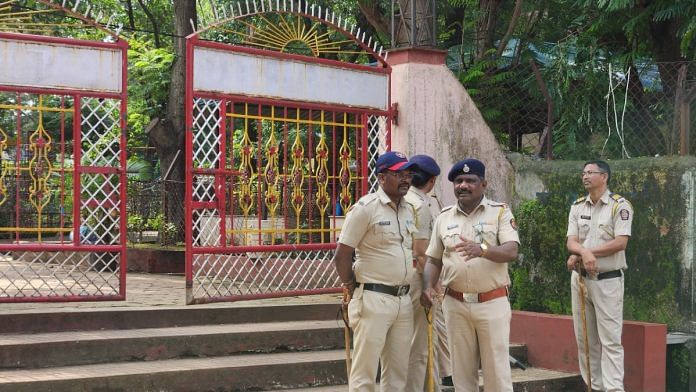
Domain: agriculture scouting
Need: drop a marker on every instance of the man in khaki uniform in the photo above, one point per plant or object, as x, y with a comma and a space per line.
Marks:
425, 174
599, 226
380, 228
471, 244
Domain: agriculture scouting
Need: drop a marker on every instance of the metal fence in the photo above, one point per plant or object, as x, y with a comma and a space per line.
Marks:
588, 110
155, 212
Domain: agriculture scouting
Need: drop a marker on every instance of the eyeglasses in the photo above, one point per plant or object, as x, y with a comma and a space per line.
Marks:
590, 172
400, 175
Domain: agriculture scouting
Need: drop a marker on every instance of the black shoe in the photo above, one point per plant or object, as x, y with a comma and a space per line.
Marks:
447, 381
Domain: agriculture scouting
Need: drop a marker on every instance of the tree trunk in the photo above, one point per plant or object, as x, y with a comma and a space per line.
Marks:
405, 23
485, 26
168, 135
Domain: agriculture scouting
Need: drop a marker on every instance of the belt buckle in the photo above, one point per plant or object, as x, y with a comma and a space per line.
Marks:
402, 290
470, 298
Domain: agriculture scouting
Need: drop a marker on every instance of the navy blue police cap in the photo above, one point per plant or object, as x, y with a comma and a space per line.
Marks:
426, 164
467, 166
392, 160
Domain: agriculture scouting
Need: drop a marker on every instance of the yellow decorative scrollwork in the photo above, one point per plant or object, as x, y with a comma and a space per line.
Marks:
297, 174
322, 173
345, 174
40, 168
5, 166
246, 170
271, 173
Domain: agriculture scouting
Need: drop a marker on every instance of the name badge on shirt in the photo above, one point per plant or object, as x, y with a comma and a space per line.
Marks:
384, 223
585, 217
450, 227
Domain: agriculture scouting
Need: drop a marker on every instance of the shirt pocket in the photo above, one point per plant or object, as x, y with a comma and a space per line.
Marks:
387, 234
449, 240
583, 230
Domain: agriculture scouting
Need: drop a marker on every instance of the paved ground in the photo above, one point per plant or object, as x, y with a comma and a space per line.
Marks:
146, 290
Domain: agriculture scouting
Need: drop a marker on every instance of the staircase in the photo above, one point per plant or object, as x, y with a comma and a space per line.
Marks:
202, 348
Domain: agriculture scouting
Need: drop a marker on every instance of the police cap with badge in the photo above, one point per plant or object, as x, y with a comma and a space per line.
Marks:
467, 166
392, 160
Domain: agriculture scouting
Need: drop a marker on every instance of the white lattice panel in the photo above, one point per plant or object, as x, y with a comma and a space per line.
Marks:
377, 137
206, 133
26, 274
100, 208
258, 273
203, 188
207, 224
101, 132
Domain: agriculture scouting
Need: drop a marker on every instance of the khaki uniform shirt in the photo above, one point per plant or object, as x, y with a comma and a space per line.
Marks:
424, 215
382, 235
596, 224
491, 223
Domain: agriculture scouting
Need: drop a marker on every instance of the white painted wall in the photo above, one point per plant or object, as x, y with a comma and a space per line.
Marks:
260, 76
60, 66
438, 118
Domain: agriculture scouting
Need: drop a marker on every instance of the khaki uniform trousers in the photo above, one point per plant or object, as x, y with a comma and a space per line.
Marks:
604, 314
479, 330
418, 360
382, 329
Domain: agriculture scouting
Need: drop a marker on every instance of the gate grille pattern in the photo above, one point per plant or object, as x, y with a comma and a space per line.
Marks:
54, 247
270, 185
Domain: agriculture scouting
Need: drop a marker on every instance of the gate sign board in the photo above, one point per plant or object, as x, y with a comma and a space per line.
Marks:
59, 65
272, 77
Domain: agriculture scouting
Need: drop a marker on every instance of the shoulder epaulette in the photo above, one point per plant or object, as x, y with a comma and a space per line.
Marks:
496, 204
617, 197
447, 208
580, 200
367, 199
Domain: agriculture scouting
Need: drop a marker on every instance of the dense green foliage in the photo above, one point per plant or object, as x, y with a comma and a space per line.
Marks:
654, 254
610, 68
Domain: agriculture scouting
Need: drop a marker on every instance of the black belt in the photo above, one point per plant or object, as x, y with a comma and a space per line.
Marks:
604, 275
396, 291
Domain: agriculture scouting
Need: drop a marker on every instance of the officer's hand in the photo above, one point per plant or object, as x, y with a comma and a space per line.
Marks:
348, 289
468, 249
426, 298
572, 262
439, 290
589, 262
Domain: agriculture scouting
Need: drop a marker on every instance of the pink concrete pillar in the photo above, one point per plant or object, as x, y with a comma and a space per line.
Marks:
437, 117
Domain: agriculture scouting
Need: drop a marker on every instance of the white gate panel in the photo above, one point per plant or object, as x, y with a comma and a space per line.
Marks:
62, 66
245, 74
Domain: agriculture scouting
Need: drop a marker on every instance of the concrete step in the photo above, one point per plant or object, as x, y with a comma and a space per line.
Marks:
530, 380
137, 318
149, 344
19, 351
220, 374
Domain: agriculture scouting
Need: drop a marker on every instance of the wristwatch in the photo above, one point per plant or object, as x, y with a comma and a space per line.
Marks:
484, 249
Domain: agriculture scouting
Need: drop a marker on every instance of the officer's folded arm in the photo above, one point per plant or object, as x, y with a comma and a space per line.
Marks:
503, 253
610, 247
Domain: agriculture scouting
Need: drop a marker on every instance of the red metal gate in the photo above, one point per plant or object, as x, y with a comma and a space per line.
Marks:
62, 183
271, 178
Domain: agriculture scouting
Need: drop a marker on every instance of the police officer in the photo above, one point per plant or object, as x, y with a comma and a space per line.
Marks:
425, 174
471, 244
599, 226
380, 227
